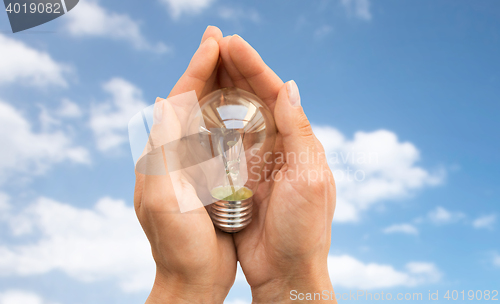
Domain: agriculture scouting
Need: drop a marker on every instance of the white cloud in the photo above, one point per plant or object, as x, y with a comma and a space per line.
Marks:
99, 244
322, 31
359, 8
21, 297
346, 271
4, 204
371, 168
237, 301
402, 228
238, 14
487, 221
102, 243
91, 19
496, 259
179, 7
68, 109
442, 216
47, 121
26, 151
28, 66
109, 120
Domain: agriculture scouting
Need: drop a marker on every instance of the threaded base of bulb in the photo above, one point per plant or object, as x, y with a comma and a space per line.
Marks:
232, 216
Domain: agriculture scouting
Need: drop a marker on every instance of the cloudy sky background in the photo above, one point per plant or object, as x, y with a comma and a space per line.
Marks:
415, 85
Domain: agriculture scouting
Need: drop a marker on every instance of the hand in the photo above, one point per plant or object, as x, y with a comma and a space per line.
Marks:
286, 246
195, 263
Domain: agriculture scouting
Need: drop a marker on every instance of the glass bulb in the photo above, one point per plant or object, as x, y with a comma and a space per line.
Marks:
235, 135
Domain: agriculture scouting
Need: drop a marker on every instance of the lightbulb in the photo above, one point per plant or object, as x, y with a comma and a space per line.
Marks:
235, 138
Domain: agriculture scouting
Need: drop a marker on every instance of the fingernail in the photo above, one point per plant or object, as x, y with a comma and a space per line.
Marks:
210, 38
293, 93
158, 111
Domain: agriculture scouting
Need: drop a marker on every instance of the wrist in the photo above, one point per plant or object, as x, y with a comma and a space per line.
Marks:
295, 286
177, 291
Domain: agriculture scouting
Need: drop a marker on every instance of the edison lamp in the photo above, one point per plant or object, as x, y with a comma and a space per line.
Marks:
233, 138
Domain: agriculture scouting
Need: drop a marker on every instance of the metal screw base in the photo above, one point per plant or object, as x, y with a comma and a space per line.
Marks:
232, 216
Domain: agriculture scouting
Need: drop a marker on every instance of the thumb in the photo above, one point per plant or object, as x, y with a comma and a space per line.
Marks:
298, 138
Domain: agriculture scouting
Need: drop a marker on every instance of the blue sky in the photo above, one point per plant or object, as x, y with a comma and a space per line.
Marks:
417, 83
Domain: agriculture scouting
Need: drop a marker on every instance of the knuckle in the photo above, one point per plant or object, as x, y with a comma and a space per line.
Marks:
304, 127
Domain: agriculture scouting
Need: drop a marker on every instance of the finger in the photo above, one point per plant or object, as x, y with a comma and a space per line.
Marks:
211, 31
264, 82
140, 174
237, 79
200, 69
223, 76
138, 189
299, 142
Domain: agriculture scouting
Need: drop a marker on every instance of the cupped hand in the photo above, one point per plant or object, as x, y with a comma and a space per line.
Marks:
286, 246
195, 262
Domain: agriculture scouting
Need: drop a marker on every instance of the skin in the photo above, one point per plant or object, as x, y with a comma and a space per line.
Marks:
286, 246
